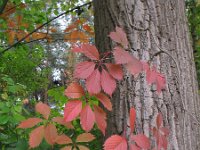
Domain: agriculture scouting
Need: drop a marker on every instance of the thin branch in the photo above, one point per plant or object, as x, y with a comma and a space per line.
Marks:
15, 44
3, 6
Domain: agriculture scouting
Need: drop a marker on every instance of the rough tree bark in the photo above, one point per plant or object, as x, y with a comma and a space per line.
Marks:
153, 26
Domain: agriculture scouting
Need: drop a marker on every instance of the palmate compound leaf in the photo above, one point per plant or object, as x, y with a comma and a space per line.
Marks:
134, 147
93, 82
108, 83
60, 120
104, 100
141, 140
135, 66
74, 90
43, 109
72, 110
87, 118
115, 142
119, 36
63, 139
100, 117
88, 50
85, 137
84, 69
132, 119
36, 136
115, 70
121, 56
29, 123
66, 148
82, 147
50, 134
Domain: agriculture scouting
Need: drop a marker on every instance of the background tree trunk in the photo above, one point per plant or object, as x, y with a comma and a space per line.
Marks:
153, 26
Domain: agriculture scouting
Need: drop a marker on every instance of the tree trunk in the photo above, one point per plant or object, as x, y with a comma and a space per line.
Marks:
153, 27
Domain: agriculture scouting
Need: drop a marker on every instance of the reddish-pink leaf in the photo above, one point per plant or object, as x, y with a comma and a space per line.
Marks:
115, 142
93, 82
121, 56
87, 118
36, 136
135, 66
108, 83
100, 117
115, 70
151, 75
134, 147
141, 140
82, 147
132, 118
29, 123
50, 134
164, 131
160, 82
61, 121
72, 110
85, 137
159, 120
90, 51
119, 36
84, 69
63, 139
66, 148
77, 49
104, 100
43, 109
74, 90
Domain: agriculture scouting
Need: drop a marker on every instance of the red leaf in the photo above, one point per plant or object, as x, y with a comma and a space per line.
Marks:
84, 69
72, 110
82, 147
77, 49
132, 118
100, 117
29, 123
108, 83
160, 82
85, 137
61, 121
115, 70
87, 118
141, 140
43, 109
50, 134
119, 36
115, 142
66, 148
135, 66
121, 56
104, 100
134, 147
164, 131
151, 75
63, 139
93, 82
159, 120
36, 136
74, 90
90, 51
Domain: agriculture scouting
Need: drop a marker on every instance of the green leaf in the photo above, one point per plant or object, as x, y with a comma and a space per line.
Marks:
4, 119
